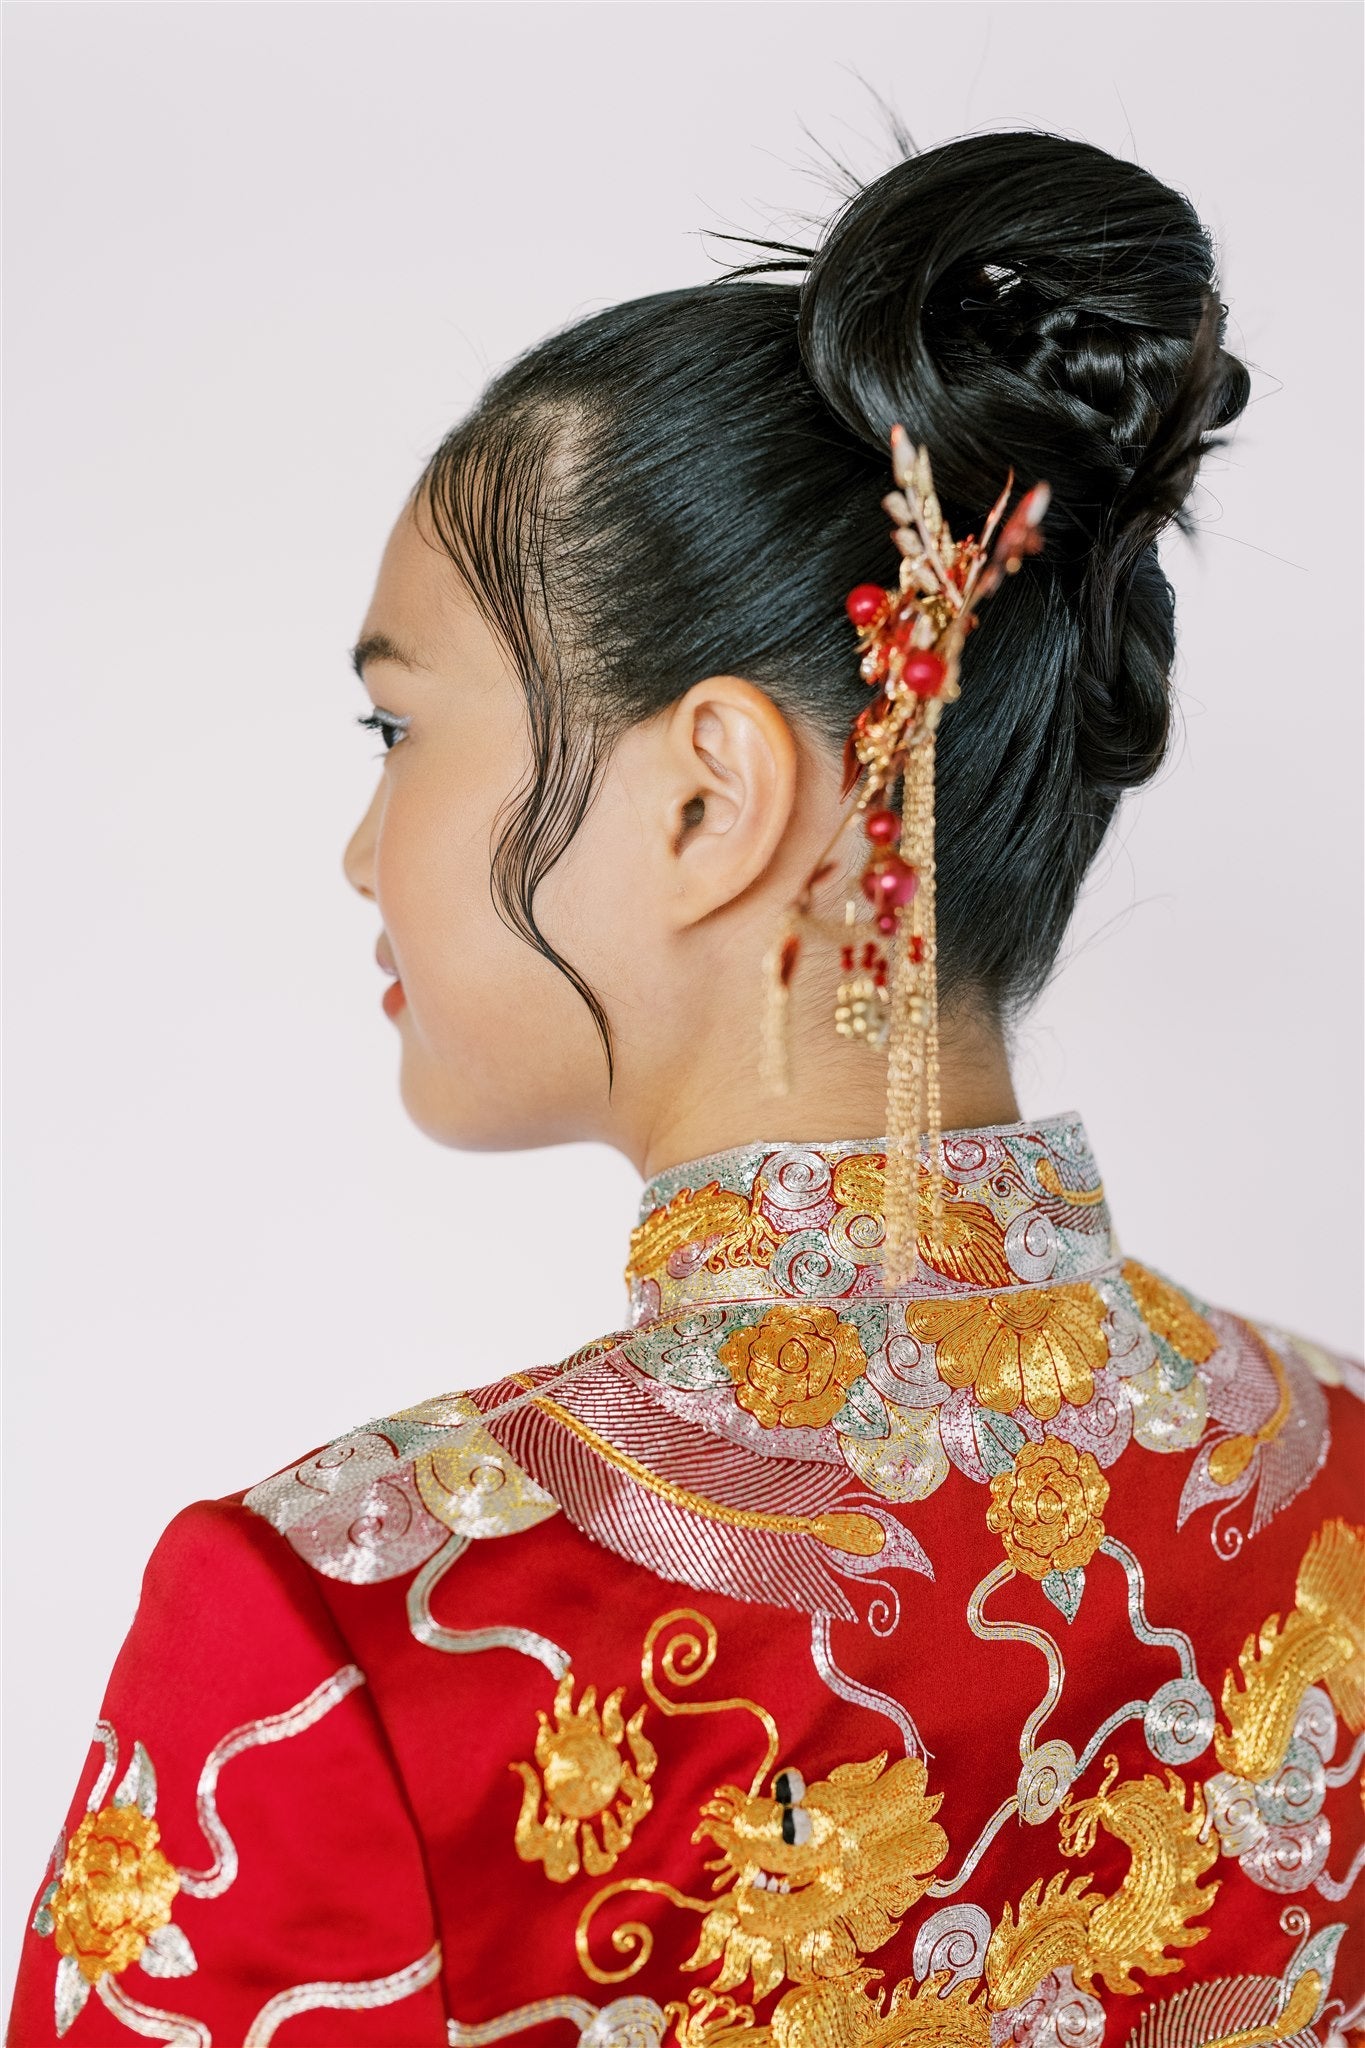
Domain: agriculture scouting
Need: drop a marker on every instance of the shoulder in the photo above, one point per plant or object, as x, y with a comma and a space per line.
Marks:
386, 1497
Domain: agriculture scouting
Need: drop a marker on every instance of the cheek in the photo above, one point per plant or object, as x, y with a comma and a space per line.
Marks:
493, 1034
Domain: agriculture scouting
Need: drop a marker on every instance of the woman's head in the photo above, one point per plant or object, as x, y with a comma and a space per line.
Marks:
628, 566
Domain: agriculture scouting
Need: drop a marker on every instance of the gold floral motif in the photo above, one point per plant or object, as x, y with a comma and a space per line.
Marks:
584, 1777
1165, 1310
115, 1891
795, 1367
1046, 1510
1111, 1935
1320, 1642
738, 1233
1037, 1347
819, 1877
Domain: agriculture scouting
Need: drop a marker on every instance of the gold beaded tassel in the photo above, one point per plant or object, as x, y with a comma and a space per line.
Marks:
913, 1103
778, 966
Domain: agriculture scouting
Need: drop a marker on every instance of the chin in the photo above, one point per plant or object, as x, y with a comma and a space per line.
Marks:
468, 1117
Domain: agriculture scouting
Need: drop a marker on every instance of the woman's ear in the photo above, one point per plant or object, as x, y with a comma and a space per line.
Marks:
728, 791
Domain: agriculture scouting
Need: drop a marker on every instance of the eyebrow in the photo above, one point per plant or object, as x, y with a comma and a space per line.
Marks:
379, 647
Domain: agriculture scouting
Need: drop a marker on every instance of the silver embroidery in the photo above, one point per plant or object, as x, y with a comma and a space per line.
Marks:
460, 1640
861, 1695
625, 2023
211, 1883
172, 2029
355, 1997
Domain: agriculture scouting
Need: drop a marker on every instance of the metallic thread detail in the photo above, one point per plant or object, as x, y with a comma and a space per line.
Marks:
944, 1887
213, 1882
954, 1939
357, 1997
105, 1733
592, 1767
686, 1659
858, 1535
1018, 1632
633, 1938
861, 1695
1336, 1890
1174, 1638
625, 2023
581, 2012
1349, 1765
1132, 1711
1179, 1721
172, 2029
462, 1640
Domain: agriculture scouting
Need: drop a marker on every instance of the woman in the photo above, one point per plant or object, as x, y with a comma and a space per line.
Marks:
864, 1643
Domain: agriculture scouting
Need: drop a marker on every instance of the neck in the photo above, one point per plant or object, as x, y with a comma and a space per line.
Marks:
838, 1094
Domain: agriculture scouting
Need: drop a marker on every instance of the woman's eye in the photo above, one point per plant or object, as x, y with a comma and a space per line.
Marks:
393, 729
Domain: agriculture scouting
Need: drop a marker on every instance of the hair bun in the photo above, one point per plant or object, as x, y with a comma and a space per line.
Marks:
1018, 300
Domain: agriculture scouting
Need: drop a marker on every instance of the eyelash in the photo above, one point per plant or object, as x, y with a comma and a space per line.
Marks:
380, 721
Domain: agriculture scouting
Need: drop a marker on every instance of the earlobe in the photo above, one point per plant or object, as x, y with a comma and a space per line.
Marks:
733, 764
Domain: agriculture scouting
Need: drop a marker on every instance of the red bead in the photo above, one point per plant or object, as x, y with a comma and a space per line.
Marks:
916, 949
886, 921
865, 604
923, 673
890, 883
883, 828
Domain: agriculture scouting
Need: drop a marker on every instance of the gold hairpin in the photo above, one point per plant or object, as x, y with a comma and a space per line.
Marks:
910, 640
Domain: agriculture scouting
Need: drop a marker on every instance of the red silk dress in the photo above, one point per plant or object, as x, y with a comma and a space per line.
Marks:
806, 1665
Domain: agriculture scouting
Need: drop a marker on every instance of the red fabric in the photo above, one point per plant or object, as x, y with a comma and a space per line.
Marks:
390, 1822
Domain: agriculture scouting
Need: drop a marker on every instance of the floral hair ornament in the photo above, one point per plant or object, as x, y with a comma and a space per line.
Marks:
911, 641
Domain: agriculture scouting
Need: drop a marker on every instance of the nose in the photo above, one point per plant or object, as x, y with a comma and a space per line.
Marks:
358, 860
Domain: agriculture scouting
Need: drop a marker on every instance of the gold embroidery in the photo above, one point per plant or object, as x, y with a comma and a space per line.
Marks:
970, 1244
475, 1487
1164, 1309
844, 2012
1111, 1935
1299, 2010
1228, 1460
817, 1875
688, 1654
1038, 1347
795, 1367
699, 1216
1051, 1183
584, 1776
1046, 1509
115, 1891
859, 1535
1320, 1642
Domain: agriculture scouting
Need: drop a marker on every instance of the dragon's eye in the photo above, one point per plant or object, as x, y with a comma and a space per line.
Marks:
795, 1826
789, 1788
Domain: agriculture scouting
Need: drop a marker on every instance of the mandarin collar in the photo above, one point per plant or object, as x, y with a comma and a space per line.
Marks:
1024, 1206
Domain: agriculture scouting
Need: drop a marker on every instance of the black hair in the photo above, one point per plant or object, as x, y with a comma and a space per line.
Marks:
690, 483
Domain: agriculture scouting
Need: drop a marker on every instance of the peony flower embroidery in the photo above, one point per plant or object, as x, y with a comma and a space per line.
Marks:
795, 1367
585, 1777
1034, 1348
110, 1903
1046, 1510
114, 1892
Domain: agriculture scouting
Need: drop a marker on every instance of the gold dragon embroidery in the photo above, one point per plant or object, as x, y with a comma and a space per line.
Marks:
1320, 1642
1110, 1935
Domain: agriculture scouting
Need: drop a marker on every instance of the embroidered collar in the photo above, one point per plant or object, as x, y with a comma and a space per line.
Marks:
1025, 1206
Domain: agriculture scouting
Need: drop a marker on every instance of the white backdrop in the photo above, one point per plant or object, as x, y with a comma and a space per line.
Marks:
259, 258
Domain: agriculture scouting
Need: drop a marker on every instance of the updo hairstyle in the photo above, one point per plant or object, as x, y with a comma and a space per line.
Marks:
688, 484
